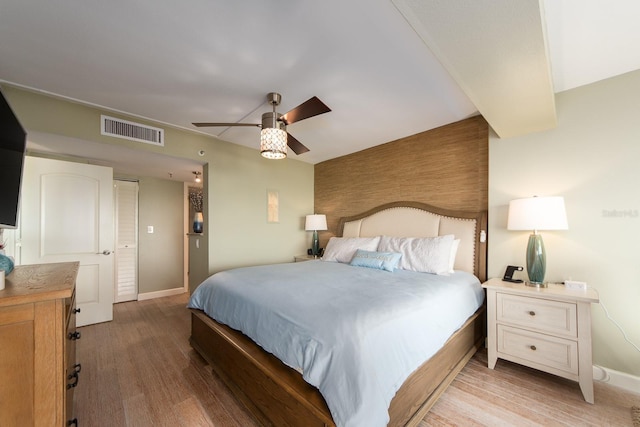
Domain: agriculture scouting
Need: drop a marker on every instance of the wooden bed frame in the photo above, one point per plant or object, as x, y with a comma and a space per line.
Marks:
278, 395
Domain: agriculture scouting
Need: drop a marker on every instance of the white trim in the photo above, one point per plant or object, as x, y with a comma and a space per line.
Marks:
618, 379
160, 294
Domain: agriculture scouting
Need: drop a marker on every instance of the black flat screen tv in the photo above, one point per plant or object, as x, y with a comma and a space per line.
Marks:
13, 142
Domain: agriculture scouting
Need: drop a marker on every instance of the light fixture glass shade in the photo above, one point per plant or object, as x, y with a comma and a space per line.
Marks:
273, 143
537, 213
314, 223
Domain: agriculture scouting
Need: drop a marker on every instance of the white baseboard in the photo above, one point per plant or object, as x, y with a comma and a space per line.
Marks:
615, 378
160, 294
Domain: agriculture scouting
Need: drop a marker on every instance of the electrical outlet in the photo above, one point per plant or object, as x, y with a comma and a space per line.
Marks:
150, 229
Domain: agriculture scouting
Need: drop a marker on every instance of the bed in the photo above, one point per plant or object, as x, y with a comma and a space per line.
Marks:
277, 394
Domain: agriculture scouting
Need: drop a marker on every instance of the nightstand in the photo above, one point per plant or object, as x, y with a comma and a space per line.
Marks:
548, 329
300, 258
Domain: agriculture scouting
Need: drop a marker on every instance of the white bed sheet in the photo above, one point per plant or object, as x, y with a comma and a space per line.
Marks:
355, 333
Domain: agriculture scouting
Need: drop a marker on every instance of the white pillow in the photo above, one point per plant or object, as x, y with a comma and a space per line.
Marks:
342, 249
422, 254
454, 252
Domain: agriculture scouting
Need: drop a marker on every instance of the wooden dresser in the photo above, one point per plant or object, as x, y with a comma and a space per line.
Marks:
38, 370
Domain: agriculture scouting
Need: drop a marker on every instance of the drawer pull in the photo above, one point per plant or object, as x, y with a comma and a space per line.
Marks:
72, 376
532, 313
533, 347
77, 367
73, 422
76, 310
74, 335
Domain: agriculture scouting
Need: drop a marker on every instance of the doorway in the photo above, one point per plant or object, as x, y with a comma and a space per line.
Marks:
67, 215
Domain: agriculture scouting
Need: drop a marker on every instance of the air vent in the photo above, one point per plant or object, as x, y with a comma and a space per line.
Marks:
119, 128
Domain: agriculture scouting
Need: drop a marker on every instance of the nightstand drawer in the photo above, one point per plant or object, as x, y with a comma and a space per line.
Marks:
556, 317
544, 350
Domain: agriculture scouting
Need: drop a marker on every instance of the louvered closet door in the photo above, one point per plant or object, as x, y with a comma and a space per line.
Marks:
126, 203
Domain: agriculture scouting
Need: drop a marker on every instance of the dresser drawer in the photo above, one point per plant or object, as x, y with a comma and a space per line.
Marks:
551, 352
555, 317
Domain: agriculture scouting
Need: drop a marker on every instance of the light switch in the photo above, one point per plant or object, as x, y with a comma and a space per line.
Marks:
150, 229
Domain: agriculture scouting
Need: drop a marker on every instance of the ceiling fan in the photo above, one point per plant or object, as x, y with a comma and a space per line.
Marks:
274, 137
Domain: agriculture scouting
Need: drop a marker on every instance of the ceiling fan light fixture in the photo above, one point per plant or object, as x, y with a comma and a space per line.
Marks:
273, 143
274, 138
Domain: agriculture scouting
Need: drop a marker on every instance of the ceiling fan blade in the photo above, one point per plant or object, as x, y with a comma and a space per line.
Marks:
203, 125
309, 108
295, 145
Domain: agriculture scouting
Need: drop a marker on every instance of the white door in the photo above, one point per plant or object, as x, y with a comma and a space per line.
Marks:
67, 215
126, 256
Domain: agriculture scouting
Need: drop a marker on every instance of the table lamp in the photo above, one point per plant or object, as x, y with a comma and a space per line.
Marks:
314, 223
537, 213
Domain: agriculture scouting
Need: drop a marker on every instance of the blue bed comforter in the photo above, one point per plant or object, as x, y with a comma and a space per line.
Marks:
355, 333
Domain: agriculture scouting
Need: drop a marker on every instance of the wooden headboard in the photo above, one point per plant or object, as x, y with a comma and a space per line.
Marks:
414, 219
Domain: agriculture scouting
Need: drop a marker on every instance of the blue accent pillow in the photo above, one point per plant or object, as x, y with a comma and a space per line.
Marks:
380, 260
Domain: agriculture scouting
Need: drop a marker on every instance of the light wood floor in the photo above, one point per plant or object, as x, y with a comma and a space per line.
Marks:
139, 370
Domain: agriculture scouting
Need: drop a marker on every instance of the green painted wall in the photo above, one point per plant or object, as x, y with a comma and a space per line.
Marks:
591, 159
238, 203
236, 181
160, 254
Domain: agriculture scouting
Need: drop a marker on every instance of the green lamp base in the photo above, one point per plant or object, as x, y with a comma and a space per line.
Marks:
315, 245
536, 261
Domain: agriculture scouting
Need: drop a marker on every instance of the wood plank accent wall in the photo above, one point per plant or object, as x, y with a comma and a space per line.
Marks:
445, 167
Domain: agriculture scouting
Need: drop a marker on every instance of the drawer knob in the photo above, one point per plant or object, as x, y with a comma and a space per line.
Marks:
74, 335
73, 422
532, 313
533, 347
76, 310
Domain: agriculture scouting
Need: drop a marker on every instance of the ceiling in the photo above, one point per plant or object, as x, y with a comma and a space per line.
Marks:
387, 68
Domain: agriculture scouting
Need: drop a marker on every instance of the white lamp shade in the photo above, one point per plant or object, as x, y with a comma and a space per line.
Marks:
315, 222
537, 213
